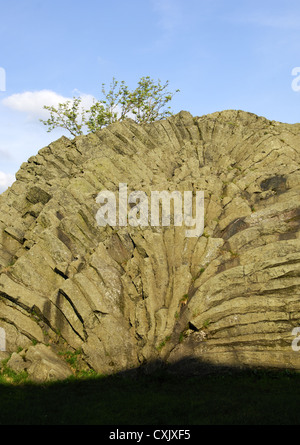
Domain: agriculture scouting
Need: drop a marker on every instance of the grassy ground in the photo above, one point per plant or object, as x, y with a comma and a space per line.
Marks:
242, 398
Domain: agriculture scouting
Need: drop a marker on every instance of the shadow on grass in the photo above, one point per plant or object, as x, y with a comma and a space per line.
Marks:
159, 397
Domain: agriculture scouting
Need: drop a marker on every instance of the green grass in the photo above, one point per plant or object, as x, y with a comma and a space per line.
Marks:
229, 399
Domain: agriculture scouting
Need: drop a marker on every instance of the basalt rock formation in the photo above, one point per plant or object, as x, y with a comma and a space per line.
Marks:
126, 296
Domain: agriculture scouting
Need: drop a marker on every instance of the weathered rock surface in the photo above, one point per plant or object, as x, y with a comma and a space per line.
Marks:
41, 364
129, 295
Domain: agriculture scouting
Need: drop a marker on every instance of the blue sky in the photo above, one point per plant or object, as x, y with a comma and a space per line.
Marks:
221, 54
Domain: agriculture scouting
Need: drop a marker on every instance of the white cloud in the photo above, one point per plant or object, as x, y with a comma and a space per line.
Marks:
32, 102
6, 180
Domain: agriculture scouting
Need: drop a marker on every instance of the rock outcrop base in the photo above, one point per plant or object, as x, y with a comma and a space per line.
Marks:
127, 296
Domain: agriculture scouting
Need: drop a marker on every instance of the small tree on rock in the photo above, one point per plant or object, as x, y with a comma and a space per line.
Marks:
147, 103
